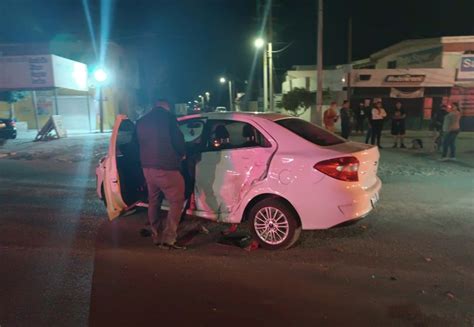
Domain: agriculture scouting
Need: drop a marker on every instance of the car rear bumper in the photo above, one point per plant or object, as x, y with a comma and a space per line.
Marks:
363, 204
357, 204
8, 133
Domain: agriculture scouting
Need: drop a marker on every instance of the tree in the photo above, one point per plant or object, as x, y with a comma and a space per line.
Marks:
298, 100
12, 97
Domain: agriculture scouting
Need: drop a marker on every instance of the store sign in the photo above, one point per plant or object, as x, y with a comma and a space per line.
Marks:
41, 72
407, 78
412, 94
423, 58
26, 72
466, 69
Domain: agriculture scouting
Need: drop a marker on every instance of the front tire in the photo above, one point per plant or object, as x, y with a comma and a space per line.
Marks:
274, 224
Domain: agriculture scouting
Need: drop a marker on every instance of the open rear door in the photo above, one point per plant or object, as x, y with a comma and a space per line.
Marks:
123, 179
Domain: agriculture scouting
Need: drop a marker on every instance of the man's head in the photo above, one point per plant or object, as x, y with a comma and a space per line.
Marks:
163, 104
444, 107
398, 105
378, 104
345, 104
333, 104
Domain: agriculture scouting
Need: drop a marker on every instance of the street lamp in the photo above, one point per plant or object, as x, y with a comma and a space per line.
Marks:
222, 80
101, 76
259, 43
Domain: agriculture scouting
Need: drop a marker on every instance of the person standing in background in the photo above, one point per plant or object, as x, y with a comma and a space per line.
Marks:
437, 126
398, 125
345, 115
359, 115
451, 128
368, 114
378, 115
330, 117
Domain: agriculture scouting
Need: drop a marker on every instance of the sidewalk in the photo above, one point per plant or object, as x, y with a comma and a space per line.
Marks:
74, 148
464, 144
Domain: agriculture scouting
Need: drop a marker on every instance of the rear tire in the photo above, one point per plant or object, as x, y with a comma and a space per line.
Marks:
274, 224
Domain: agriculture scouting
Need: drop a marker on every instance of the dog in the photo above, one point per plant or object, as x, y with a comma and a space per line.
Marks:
417, 144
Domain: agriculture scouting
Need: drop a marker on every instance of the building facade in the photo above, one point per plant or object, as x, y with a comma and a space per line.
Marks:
422, 74
80, 110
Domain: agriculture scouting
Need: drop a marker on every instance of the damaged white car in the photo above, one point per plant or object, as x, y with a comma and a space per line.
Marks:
279, 173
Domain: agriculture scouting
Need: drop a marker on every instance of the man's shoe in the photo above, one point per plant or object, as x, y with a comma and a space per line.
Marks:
167, 246
403, 146
453, 159
174, 246
155, 239
163, 246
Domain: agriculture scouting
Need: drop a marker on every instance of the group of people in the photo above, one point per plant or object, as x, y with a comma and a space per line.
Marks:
446, 124
375, 117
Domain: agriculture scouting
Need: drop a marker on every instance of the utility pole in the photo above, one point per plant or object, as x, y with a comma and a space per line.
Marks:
265, 79
270, 55
231, 97
349, 58
319, 91
101, 109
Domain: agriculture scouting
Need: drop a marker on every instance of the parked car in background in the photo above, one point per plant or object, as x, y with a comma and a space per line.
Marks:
221, 109
7, 129
279, 173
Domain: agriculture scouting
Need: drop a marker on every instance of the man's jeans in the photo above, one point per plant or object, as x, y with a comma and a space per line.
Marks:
171, 183
449, 143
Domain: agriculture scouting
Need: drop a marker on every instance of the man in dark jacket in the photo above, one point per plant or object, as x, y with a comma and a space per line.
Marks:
162, 149
345, 115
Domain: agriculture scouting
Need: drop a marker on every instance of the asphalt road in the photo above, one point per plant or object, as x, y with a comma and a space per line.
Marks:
411, 263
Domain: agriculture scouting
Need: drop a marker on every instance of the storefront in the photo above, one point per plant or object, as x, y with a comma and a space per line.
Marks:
421, 92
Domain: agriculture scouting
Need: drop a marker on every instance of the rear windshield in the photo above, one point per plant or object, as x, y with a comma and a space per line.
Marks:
310, 132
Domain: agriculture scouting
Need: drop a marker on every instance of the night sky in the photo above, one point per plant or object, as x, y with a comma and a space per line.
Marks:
186, 45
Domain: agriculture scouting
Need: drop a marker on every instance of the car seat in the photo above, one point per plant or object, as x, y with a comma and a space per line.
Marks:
248, 132
221, 139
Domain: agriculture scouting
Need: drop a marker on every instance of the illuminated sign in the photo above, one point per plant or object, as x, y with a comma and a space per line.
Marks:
407, 78
466, 68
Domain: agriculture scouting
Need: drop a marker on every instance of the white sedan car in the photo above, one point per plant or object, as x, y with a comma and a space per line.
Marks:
279, 173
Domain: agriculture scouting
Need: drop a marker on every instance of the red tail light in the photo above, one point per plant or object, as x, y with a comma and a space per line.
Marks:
344, 168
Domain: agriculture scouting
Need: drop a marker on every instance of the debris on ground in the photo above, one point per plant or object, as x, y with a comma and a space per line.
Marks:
427, 259
393, 278
450, 295
252, 246
230, 230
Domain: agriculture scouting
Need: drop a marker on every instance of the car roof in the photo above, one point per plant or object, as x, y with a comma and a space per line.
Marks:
272, 116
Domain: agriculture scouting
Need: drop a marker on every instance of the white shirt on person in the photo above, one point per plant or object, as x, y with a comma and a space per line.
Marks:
378, 115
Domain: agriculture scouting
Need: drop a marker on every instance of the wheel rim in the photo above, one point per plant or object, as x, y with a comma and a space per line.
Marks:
271, 225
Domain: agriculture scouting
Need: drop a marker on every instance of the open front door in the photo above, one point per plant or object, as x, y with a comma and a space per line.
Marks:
124, 184
235, 157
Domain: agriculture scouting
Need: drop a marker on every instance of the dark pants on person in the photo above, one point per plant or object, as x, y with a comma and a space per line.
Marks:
377, 126
345, 131
368, 135
359, 127
171, 183
449, 143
